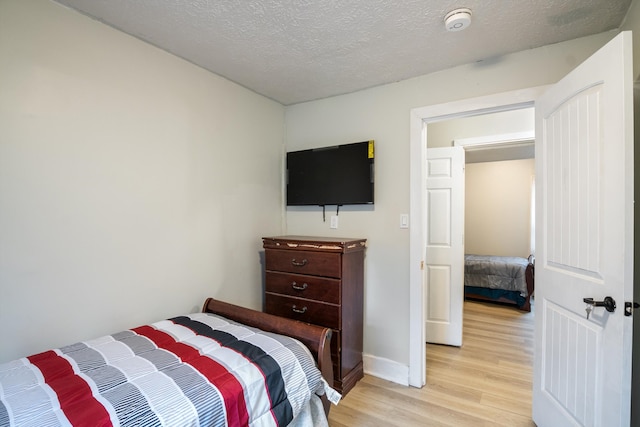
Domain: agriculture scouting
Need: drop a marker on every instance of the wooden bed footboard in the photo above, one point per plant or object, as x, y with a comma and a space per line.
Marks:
529, 277
316, 338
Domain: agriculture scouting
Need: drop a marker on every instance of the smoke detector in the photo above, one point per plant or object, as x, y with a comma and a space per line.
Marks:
458, 19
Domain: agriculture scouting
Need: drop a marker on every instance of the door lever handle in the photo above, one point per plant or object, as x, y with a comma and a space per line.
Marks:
609, 303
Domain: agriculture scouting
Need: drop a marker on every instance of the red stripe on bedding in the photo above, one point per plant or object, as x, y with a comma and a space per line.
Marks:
229, 386
74, 394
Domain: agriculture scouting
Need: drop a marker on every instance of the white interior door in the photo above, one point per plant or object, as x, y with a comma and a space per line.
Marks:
444, 271
584, 148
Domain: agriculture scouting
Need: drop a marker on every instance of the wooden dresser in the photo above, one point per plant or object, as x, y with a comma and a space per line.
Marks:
320, 280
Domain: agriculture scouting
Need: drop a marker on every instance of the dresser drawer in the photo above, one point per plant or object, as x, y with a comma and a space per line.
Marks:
310, 287
308, 311
304, 262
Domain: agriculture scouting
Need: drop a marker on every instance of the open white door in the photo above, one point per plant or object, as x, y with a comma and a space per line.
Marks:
444, 271
584, 153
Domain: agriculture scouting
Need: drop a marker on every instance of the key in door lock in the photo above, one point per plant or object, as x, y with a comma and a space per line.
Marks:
609, 304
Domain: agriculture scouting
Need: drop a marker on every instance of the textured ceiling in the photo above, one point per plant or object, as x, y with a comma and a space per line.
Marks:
299, 50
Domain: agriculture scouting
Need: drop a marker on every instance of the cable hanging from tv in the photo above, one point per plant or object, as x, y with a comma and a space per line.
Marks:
324, 219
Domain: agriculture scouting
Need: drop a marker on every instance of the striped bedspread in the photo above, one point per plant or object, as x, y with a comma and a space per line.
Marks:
191, 370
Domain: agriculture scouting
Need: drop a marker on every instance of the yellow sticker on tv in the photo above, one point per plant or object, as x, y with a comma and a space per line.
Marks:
370, 149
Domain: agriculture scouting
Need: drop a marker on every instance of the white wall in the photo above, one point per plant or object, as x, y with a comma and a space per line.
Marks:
442, 134
132, 184
498, 208
382, 114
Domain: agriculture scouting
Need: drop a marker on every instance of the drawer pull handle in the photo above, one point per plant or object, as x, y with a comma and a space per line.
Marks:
299, 263
297, 310
297, 287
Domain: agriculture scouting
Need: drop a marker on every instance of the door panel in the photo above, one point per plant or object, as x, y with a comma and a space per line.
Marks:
445, 247
584, 162
570, 362
573, 163
439, 278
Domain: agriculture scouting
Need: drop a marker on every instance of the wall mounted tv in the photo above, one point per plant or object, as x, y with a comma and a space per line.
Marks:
338, 175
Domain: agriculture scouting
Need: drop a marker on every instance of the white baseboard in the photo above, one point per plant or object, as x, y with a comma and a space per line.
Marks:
386, 369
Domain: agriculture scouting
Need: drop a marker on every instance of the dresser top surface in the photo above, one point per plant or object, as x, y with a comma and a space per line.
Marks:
314, 242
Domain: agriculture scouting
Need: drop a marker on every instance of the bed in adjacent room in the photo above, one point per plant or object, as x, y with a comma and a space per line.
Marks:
499, 278
225, 366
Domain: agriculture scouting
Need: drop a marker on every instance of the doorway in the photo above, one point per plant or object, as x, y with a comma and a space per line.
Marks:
420, 119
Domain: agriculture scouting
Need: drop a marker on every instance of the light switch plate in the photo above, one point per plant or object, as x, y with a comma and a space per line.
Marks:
334, 221
404, 220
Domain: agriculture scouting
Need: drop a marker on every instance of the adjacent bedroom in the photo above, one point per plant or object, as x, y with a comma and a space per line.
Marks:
499, 227
499, 230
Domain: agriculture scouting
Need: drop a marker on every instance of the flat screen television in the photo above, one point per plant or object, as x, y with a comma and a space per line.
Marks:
338, 175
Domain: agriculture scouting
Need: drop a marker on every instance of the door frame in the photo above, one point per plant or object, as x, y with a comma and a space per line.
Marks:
419, 120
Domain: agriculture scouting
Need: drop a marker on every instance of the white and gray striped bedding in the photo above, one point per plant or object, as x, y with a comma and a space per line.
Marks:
191, 370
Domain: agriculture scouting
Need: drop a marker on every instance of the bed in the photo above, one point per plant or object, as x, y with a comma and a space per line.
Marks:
211, 368
498, 278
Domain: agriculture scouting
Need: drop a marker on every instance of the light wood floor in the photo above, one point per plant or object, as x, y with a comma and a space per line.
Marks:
486, 382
